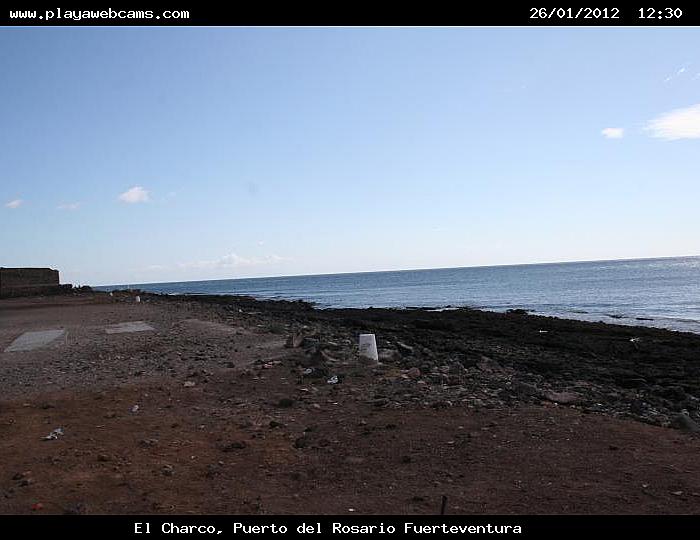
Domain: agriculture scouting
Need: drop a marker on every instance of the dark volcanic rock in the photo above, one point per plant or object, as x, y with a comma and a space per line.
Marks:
685, 423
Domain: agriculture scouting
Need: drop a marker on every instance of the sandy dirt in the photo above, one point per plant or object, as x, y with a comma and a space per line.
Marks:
211, 413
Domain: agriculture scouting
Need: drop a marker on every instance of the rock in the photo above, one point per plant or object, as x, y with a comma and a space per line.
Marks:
316, 359
388, 355
301, 442
525, 389
488, 365
77, 509
632, 382
404, 349
294, 340
22, 475
167, 470
685, 423
564, 398
235, 445
285, 403
310, 343
441, 404
315, 372
148, 443
103, 458
413, 373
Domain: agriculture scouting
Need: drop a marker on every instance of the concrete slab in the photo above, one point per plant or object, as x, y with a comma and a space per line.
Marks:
125, 327
33, 340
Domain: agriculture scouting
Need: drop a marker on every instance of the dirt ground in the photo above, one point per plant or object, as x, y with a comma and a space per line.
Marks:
208, 414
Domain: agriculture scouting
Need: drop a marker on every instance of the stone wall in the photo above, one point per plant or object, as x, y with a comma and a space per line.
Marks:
28, 281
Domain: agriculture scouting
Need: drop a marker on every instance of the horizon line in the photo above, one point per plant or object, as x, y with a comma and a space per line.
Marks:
410, 270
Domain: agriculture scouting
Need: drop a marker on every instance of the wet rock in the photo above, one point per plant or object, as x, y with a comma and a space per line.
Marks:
443, 326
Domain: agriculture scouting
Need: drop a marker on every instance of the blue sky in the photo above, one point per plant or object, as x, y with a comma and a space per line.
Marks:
166, 154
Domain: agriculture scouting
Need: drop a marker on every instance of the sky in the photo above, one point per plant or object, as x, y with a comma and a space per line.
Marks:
139, 155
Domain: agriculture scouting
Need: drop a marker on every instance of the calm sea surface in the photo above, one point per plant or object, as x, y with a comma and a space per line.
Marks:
654, 292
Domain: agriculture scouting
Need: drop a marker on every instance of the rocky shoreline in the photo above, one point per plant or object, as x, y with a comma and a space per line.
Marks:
477, 359
236, 406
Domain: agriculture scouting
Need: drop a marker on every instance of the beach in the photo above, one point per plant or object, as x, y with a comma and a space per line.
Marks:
225, 404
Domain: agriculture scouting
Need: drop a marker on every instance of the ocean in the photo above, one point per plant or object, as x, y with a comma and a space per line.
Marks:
653, 292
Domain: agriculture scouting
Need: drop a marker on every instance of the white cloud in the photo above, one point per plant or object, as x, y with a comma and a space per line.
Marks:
136, 194
677, 124
613, 133
14, 204
679, 72
232, 260
69, 206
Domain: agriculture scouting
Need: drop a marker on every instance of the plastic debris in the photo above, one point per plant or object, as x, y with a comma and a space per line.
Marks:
333, 380
135, 409
368, 347
308, 371
138, 299
55, 434
189, 384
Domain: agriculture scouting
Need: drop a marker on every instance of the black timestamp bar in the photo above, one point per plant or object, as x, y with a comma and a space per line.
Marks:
612, 16
195, 14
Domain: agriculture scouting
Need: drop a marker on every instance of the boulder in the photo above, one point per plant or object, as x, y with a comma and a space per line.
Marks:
685, 423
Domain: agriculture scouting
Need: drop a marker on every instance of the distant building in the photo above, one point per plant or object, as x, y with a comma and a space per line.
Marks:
28, 281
